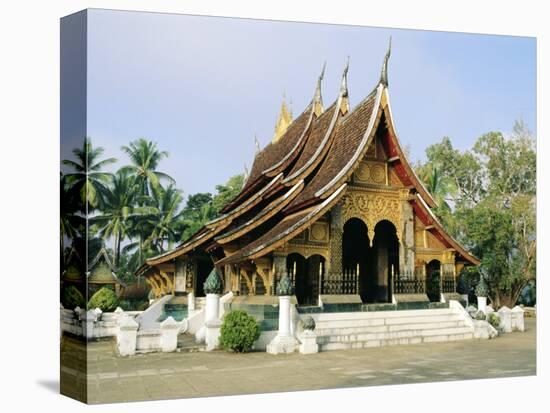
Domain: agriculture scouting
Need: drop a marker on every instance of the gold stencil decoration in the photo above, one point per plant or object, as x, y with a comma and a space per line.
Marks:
372, 208
319, 232
371, 151
433, 242
378, 174
371, 172
362, 174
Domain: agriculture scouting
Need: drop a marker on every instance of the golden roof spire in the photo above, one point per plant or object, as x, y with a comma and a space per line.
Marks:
318, 98
283, 121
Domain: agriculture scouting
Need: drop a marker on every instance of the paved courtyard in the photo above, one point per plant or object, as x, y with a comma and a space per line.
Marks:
177, 375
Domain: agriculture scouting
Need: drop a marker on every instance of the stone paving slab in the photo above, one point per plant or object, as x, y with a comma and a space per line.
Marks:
180, 375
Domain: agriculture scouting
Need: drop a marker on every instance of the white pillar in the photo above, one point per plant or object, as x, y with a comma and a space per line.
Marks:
284, 342
482, 304
88, 319
308, 344
212, 321
190, 303
127, 336
505, 319
212, 307
517, 319
169, 330
284, 316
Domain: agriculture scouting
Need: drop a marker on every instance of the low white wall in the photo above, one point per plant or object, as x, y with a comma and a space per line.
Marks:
104, 325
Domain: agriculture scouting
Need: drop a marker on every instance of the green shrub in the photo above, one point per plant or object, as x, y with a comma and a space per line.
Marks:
105, 299
239, 331
72, 298
133, 305
462, 286
494, 320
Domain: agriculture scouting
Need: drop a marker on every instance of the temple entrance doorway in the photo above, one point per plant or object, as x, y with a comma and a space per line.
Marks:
386, 245
305, 275
357, 261
433, 280
369, 267
204, 268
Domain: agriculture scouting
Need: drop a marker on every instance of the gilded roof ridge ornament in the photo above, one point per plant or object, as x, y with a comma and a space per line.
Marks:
344, 107
384, 73
318, 97
283, 120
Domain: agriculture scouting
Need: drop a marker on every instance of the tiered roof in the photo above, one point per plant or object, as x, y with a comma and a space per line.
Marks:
302, 174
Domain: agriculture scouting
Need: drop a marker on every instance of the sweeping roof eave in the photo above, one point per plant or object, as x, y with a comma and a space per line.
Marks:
285, 230
441, 230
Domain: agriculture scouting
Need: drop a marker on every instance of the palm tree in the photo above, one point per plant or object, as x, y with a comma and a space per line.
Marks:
438, 186
166, 219
145, 158
119, 207
71, 223
87, 179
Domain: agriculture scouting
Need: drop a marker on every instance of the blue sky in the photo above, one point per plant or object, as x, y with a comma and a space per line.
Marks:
202, 87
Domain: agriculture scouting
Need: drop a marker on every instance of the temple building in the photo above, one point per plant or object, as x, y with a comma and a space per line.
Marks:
333, 203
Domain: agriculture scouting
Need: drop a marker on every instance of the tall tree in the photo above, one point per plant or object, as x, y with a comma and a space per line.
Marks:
120, 205
88, 179
71, 221
145, 158
228, 191
493, 206
198, 211
164, 217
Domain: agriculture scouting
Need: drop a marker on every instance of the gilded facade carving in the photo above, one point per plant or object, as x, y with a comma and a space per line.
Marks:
371, 172
307, 250
319, 232
373, 207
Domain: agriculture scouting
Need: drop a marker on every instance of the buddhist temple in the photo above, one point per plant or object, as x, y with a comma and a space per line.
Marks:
333, 203
101, 273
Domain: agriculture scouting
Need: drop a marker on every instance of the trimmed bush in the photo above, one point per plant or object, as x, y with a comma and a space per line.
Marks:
71, 298
494, 320
239, 331
133, 305
462, 286
105, 299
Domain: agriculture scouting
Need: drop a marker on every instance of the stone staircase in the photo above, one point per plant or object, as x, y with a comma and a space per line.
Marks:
175, 310
188, 344
340, 331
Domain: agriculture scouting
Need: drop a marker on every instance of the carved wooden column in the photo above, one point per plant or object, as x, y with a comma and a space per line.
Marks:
279, 267
448, 271
334, 279
180, 279
406, 247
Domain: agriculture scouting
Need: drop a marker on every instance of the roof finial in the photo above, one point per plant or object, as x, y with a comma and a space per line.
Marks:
384, 74
344, 107
344, 85
283, 120
318, 98
246, 173
257, 144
